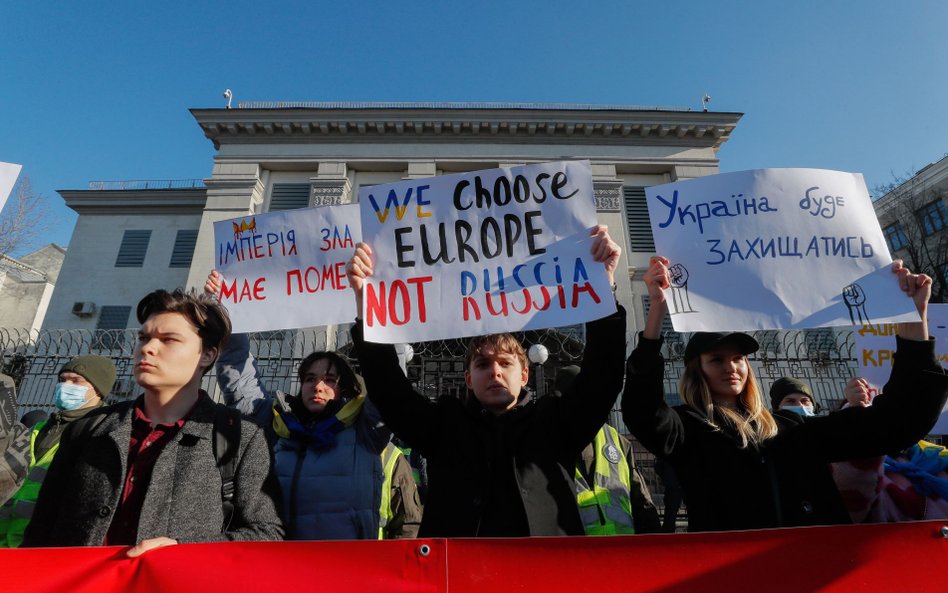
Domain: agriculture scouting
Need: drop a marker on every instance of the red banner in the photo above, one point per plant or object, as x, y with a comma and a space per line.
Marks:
893, 557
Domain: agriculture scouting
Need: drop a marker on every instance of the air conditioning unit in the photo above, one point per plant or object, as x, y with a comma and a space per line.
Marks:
83, 309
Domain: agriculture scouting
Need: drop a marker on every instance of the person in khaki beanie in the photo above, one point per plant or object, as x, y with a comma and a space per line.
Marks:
84, 382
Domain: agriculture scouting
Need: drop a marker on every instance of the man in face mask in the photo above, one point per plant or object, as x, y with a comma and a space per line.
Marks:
84, 382
792, 395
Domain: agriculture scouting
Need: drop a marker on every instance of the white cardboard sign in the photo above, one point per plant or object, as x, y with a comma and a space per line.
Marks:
8, 174
287, 269
875, 347
774, 249
482, 252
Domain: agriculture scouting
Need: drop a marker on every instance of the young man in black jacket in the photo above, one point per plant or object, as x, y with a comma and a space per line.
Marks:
500, 464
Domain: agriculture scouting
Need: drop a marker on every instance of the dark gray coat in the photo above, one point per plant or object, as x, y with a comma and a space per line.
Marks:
84, 485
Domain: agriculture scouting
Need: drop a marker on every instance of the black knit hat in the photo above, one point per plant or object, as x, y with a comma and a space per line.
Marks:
97, 370
784, 386
702, 342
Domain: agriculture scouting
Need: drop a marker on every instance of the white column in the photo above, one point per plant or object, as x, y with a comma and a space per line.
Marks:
234, 190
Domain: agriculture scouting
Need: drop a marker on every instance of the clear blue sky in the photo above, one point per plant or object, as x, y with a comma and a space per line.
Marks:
100, 90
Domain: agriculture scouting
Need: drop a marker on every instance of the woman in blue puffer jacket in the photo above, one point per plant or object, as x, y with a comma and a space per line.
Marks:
340, 476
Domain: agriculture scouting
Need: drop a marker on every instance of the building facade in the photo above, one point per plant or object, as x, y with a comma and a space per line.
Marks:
282, 156
26, 287
914, 219
129, 240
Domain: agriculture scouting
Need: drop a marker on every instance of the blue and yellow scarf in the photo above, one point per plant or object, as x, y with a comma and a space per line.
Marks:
322, 433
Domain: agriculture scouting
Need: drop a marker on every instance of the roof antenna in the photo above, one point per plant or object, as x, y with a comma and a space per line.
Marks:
229, 95
704, 101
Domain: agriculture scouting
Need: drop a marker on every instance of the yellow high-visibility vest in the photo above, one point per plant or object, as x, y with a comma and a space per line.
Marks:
605, 507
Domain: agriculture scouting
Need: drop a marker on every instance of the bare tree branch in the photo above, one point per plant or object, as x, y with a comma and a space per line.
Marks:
25, 217
922, 251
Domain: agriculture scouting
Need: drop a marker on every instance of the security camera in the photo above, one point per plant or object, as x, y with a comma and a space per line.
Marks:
227, 95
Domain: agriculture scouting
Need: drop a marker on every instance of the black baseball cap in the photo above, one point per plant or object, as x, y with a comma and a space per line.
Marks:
701, 342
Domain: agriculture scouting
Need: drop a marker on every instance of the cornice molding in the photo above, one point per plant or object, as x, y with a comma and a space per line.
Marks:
415, 125
149, 201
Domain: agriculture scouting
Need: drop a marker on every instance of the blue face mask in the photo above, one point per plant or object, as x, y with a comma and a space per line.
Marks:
70, 396
801, 410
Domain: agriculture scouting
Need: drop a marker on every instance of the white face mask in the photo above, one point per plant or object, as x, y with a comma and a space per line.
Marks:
801, 410
70, 396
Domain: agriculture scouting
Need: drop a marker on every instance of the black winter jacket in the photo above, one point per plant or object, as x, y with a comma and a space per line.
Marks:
786, 481
507, 475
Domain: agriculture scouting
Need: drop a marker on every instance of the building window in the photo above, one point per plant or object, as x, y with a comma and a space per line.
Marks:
933, 217
110, 331
183, 250
288, 196
132, 251
895, 236
636, 213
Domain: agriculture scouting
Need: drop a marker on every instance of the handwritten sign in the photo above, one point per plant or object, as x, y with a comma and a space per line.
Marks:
483, 252
287, 269
8, 174
774, 249
875, 347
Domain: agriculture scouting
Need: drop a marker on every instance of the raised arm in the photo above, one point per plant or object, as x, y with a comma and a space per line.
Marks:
408, 413
237, 374
644, 410
657, 278
909, 404
919, 288
587, 402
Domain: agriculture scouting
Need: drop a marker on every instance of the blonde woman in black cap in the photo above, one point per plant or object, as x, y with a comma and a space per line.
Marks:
742, 467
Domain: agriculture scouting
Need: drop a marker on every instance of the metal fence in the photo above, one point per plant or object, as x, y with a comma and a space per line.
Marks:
822, 359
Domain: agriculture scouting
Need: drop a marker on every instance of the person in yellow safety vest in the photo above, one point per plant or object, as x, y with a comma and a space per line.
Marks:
610, 492
84, 382
400, 509
611, 495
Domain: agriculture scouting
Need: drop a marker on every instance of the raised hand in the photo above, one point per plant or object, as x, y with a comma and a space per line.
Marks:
856, 392
212, 286
657, 278
605, 250
357, 270
919, 288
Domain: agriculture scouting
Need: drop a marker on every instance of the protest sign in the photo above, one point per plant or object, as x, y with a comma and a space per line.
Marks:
482, 252
287, 269
875, 347
774, 249
8, 174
